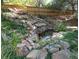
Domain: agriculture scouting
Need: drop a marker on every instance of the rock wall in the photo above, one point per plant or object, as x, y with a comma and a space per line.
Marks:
38, 27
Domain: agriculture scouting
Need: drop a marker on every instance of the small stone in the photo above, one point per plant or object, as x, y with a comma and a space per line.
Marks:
40, 24
46, 38
23, 21
57, 35
27, 44
23, 17
34, 37
36, 45
53, 50
57, 46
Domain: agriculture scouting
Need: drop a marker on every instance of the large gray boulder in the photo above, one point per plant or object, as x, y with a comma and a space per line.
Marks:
63, 54
37, 54
43, 54
33, 54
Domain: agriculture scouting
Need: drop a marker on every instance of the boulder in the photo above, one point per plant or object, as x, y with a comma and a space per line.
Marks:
63, 54
53, 48
64, 44
22, 50
42, 54
33, 54
37, 54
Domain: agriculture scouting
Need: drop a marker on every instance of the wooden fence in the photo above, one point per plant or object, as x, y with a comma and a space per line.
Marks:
42, 11
38, 11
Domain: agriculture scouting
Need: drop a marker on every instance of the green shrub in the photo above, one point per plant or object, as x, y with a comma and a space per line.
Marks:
72, 38
10, 38
60, 26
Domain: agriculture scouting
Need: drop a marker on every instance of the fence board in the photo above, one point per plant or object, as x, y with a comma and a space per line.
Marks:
38, 11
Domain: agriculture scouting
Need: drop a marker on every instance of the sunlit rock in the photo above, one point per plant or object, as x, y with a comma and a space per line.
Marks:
57, 35
33, 54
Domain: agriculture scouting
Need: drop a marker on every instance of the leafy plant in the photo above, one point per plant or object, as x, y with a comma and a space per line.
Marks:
60, 26
11, 35
72, 38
